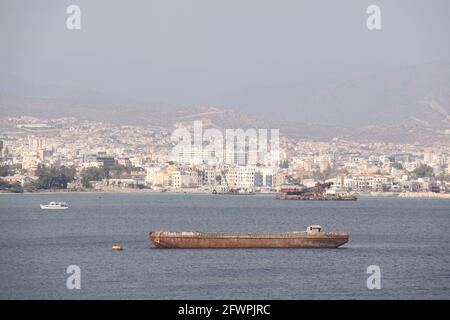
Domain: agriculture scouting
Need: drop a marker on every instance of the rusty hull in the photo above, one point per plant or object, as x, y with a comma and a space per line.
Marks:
190, 240
315, 197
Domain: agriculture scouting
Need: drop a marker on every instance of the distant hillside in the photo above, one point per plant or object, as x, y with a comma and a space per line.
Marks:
219, 118
413, 94
114, 112
400, 105
19, 97
405, 95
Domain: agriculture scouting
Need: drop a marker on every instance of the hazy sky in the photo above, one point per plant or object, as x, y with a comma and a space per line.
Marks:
201, 51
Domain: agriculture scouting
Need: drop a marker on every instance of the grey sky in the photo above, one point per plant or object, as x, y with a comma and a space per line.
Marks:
190, 52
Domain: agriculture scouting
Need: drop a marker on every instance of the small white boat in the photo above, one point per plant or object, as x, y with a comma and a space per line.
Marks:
55, 205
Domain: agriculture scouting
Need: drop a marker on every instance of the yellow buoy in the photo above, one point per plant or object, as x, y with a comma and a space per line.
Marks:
117, 248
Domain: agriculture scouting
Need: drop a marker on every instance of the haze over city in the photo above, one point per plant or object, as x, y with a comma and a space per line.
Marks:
301, 61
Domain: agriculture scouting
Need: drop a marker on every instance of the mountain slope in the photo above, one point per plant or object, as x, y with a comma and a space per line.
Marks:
403, 95
403, 104
399, 96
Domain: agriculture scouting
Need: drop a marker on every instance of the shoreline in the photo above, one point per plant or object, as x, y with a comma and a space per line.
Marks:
409, 195
134, 192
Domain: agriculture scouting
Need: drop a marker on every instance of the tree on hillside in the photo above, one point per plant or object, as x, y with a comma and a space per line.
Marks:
53, 177
5, 170
423, 171
397, 165
119, 171
93, 174
10, 187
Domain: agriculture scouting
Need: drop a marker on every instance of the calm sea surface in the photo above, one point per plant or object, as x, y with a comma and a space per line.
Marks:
409, 239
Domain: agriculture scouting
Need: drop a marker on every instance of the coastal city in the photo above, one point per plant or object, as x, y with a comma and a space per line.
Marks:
68, 154
225, 159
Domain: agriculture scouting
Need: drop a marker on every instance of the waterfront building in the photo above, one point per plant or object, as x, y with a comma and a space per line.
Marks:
241, 177
175, 179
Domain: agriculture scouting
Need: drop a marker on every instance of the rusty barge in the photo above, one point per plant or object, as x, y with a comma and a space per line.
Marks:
320, 197
313, 237
320, 192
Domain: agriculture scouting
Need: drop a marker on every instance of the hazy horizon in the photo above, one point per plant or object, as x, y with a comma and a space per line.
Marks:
188, 53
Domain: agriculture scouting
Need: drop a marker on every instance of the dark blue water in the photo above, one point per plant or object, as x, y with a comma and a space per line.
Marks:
407, 238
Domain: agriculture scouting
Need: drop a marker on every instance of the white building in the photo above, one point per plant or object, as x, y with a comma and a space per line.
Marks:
175, 180
241, 177
209, 176
151, 173
184, 179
